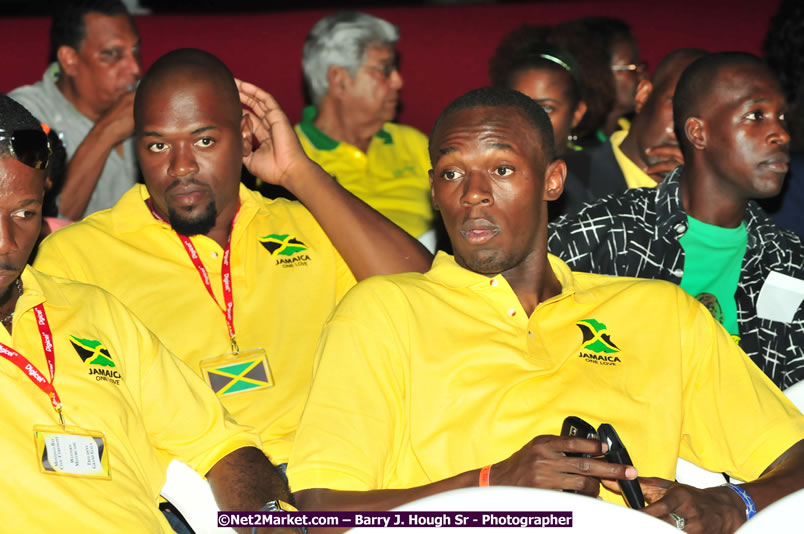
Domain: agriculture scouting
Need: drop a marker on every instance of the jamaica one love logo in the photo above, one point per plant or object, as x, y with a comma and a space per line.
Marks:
597, 341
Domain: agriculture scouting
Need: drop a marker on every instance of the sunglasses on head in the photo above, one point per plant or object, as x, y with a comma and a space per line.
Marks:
30, 147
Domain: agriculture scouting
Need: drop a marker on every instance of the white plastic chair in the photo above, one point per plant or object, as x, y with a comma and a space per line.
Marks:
428, 239
190, 493
592, 516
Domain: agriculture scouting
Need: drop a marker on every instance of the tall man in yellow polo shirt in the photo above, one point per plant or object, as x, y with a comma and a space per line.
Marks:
645, 153
350, 66
241, 300
478, 361
92, 398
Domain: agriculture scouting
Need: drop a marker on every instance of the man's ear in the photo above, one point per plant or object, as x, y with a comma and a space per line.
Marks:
554, 177
644, 89
432, 190
68, 60
337, 78
695, 131
245, 134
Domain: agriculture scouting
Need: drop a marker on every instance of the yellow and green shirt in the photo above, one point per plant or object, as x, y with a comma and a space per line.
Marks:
113, 376
286, 279
391, 177
634, 176
446, 373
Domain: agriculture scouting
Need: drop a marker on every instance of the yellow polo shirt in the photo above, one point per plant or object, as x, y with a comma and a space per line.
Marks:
139, 396
446, 373
634, 176
391, 177
286, 279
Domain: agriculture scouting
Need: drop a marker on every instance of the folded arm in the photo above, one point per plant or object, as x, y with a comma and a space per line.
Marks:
85, 167
245, 480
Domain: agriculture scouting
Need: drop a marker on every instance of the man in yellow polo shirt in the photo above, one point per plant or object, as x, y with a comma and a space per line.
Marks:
93, 401
478, 361
271, 265
350, 66
645, 153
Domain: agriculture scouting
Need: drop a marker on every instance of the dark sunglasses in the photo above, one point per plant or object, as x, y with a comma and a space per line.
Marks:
30, 147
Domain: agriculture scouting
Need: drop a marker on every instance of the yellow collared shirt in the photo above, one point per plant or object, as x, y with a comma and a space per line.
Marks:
446, 373
634, 176
391, 177
114, 377
286, 279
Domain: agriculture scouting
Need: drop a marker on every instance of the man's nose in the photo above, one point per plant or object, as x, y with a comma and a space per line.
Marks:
8, 240
476, 189
182, 161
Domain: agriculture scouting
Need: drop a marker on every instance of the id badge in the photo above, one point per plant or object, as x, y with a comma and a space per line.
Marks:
72, 451
238, 372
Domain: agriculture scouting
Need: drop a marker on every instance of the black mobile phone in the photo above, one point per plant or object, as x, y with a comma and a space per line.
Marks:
617, 454
577, 427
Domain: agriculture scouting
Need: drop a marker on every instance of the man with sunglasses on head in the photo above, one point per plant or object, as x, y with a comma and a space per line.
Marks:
94, 400
350, 66
87, 96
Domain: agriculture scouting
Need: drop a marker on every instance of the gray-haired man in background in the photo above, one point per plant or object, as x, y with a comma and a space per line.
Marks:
350, 66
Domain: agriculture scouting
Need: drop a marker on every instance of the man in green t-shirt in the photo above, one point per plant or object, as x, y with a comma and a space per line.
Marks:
700, 228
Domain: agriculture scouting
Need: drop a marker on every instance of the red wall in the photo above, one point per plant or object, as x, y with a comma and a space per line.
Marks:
444, 50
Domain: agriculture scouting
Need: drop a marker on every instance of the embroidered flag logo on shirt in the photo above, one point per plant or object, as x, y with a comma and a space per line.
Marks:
596, 337
282, 244
92, 351
239, 377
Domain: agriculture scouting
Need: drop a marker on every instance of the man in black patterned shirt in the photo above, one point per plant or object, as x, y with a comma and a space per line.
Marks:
700, 228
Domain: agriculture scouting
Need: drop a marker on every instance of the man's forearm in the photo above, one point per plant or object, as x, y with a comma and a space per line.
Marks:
368, 242
378, 500
82, 174
783, 477
245, 480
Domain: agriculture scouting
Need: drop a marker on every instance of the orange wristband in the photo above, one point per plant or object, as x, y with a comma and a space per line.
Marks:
484, 476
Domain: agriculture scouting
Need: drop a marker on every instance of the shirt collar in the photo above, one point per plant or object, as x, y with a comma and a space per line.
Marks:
322, 141
38, 288
52, 92
634, 176
131, 213
669, 208
670, 213
447, 272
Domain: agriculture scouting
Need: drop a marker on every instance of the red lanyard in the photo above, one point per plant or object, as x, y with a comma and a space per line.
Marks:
226, 274
30, 370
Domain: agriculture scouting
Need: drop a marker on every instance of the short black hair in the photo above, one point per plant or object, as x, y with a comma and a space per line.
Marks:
14, 116
668, 63
68, 27
699, 80
503, 97
197, 64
